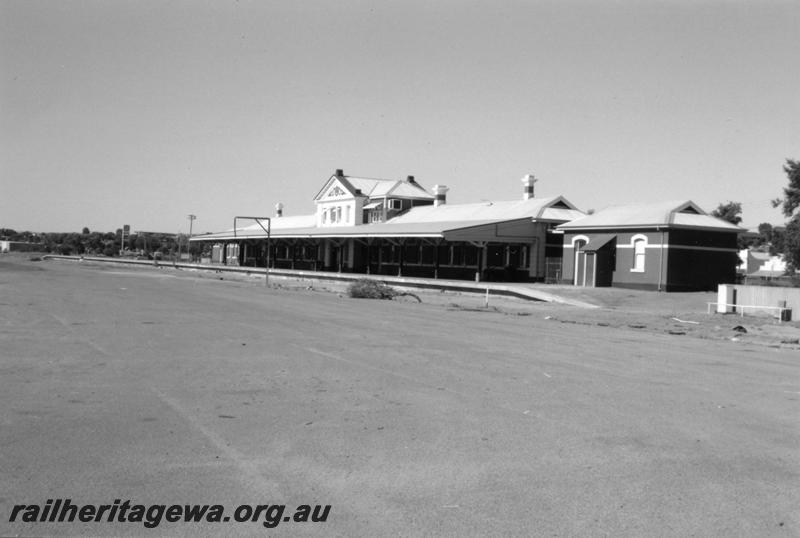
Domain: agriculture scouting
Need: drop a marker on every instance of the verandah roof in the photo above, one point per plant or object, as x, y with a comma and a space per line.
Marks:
465, 230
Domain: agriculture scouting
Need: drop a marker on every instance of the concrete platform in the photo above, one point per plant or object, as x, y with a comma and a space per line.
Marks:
531, 292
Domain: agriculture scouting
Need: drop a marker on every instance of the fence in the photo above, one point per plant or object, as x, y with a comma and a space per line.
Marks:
552, 273
739, 298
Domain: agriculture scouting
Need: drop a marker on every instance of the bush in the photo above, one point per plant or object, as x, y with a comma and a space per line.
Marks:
374, 289
370, 289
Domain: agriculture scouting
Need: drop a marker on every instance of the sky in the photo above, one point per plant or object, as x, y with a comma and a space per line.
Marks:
143, 112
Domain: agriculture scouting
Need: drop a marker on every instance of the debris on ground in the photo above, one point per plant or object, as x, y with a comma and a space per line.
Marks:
739, 329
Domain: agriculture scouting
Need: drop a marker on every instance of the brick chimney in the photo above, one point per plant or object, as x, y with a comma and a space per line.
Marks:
527, 186
440, 191
279, 209
339, 172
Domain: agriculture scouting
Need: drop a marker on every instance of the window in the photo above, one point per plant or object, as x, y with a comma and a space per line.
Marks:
325, 216
471, 254
339, 214
347, 213
443, 252
639, 245
427, 255
458, 255
411, 254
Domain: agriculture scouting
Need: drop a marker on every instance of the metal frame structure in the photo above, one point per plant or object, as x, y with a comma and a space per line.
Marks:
267, 230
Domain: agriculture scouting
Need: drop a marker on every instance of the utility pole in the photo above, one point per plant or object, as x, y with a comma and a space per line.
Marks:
188, 242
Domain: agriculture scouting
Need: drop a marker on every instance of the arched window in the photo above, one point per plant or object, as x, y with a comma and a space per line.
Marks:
639, 246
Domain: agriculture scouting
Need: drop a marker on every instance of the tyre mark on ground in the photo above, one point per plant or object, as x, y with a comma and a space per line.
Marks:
248, 467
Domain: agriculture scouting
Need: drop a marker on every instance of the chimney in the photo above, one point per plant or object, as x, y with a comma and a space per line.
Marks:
339, 172
440, 191
527, 185
411, 180
279, 209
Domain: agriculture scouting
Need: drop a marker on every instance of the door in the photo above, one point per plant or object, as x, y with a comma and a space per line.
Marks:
580, 263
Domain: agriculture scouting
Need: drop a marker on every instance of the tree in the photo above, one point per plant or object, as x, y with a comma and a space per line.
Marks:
765, 232
790, 202
777, 245
730, 211
791, 194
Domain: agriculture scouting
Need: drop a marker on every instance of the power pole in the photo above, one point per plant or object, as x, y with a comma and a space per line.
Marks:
188, 241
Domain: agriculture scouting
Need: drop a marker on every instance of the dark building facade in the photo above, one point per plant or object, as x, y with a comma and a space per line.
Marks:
668, 246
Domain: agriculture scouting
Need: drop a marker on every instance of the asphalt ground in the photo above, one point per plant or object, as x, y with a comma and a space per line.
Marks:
162, 387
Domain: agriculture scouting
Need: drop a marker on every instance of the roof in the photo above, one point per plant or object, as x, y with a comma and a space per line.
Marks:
597, 242
383, 229
419, 221
536, 208
670, 214
378, 188
770, 273
282, 223
276, 225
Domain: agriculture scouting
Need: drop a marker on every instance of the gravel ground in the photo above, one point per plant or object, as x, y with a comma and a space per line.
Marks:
445, 418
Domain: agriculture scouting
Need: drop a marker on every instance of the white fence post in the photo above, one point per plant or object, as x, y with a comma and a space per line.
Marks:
724, 298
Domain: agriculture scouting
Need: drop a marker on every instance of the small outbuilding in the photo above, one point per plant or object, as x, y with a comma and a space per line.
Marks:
665, 246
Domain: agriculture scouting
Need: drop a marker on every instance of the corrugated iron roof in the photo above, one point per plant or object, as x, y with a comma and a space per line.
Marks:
684, 213
535, 208
384, 229
419, 221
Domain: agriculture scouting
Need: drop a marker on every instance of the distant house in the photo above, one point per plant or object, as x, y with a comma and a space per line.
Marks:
397, 227
762, 265
668, 246
19, 246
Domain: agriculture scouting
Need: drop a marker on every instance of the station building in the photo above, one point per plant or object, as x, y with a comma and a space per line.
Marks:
398, 228
665, 246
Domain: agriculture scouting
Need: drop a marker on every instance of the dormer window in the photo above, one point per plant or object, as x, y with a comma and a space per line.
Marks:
394, 204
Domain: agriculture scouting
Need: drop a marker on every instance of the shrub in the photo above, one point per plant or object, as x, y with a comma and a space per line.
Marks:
374, 289
370, 289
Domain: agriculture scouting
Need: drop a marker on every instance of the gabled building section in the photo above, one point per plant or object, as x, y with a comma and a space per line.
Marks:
352, 201
669, 246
